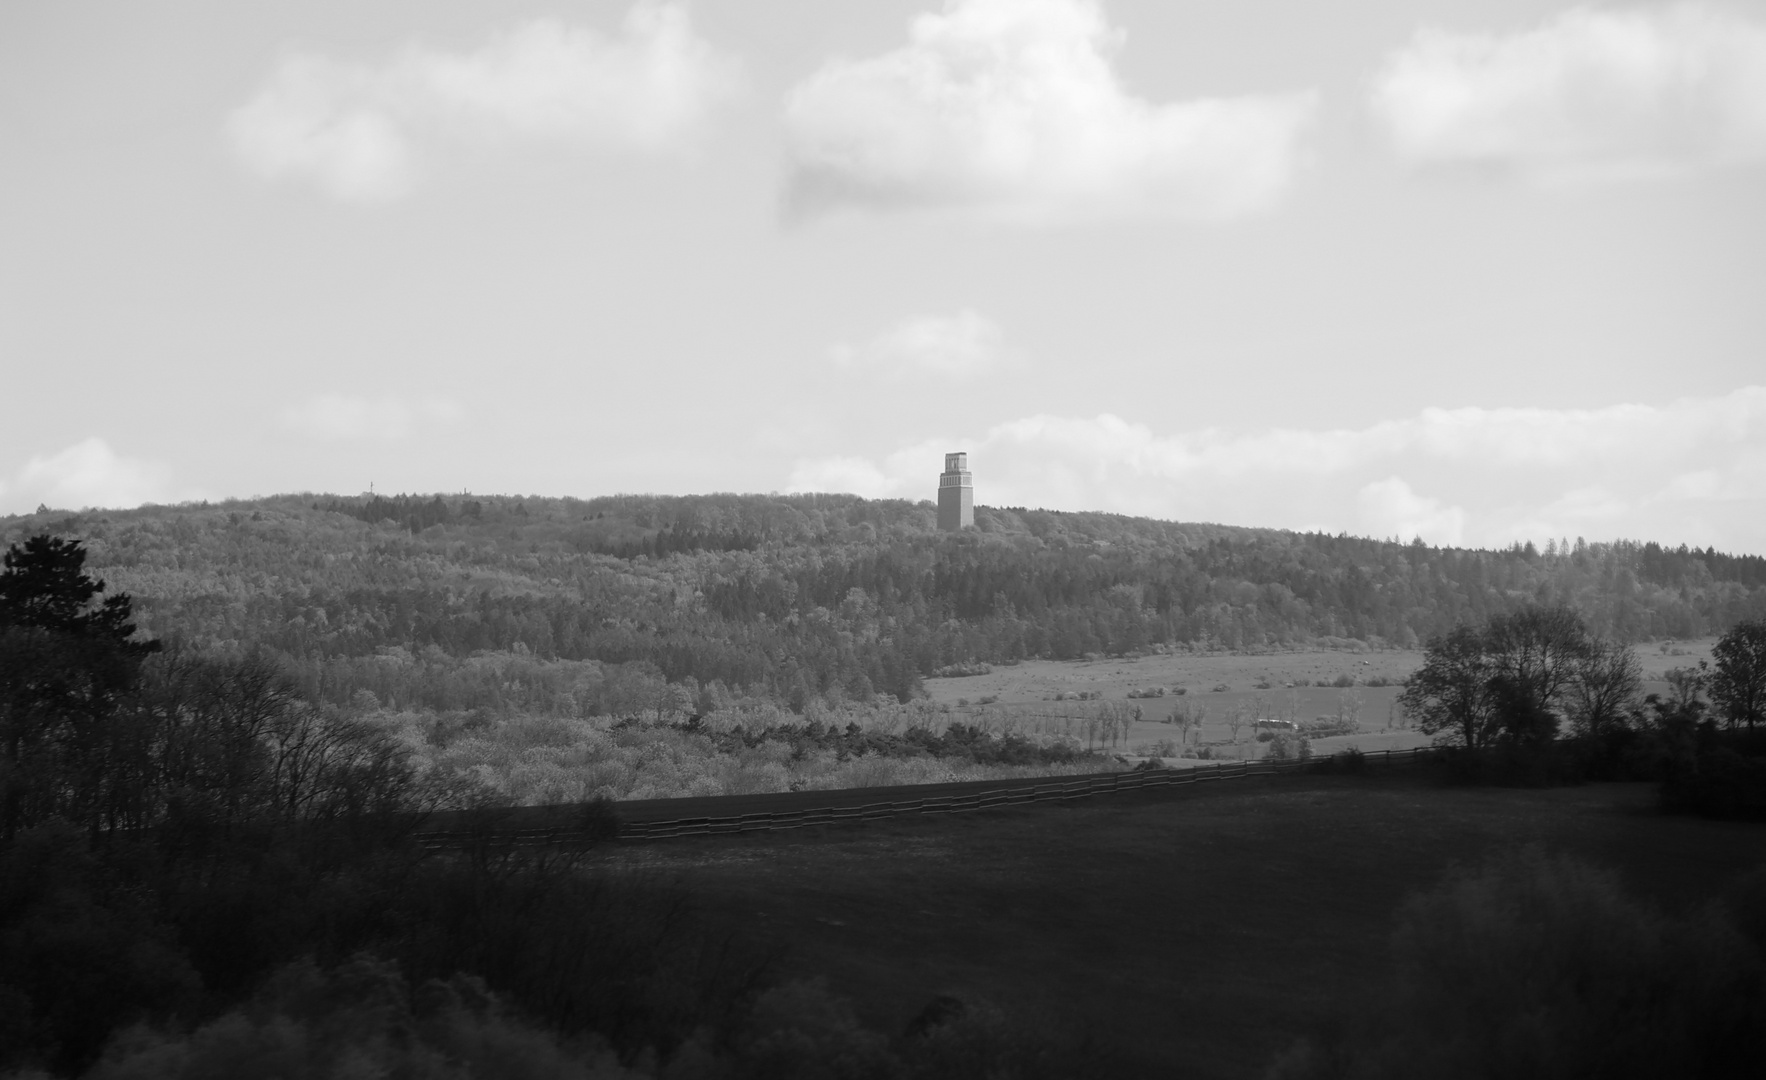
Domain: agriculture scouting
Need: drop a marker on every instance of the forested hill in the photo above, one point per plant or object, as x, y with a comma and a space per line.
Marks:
815, 595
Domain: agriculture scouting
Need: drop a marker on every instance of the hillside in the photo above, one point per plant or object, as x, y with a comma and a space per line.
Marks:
589, 606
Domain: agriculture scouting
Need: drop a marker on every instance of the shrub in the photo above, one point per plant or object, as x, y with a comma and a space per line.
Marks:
966, 668
952, 1040
79, 953
360, 1019
1542, 966
1343, 681
1351, 762
1287, 746
1324, 727
800, 1029
1719, 783
617, 954
1513, 764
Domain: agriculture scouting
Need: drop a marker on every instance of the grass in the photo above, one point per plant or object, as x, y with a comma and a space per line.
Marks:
1291, 679
1035, 681
1196, 932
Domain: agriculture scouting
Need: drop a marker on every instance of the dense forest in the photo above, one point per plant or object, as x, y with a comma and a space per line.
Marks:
592, 607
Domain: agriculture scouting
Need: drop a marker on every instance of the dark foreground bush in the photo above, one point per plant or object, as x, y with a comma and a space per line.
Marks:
800, 1030
360, 1020
1541, 764
364, 1019
1544, 967
95, 941
1350, 762
80, 952
1719, 783
622, 956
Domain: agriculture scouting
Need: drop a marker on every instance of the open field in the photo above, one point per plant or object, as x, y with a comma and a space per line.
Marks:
1277, 685
1197, 673
1195, 931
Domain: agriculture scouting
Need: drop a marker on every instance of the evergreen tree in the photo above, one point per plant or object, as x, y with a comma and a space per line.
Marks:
68, 663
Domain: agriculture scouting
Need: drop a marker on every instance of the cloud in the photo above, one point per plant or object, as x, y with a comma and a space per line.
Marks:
1484, 476
88, 474
959, 346
1011, 109
849, 474
1590, 94
335, 418
1389, 508
358, 131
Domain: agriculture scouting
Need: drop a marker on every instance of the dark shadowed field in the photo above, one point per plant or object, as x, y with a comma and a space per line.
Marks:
1193, 931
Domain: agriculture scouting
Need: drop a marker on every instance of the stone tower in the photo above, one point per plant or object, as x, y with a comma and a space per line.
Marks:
956, 495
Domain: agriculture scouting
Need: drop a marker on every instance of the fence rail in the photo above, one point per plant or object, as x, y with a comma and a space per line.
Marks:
1051, 790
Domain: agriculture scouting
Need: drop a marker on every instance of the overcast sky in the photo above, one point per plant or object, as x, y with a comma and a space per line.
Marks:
1478, 270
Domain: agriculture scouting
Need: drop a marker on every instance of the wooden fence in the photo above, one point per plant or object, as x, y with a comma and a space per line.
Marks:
1051, 790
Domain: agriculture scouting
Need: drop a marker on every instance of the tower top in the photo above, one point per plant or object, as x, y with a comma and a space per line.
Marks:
956, 494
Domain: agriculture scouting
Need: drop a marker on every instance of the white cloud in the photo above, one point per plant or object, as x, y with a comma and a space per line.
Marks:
336, 418
88, 474
1011, 109
1488, 476
1389, 508
357, 130
959, 346
849, 474
1590, 94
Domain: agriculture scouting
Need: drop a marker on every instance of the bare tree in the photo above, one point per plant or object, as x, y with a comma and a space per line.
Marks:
1350, 702
1608, 681
1235, 721
1685, 687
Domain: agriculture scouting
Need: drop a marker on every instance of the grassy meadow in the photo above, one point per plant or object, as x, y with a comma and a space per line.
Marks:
1037, 695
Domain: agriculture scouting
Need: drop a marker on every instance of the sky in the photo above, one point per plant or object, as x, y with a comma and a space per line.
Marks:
1479, 271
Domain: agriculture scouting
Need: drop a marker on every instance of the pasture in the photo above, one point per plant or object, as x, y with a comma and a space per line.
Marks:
1190, 932
1275, 685
1281, 685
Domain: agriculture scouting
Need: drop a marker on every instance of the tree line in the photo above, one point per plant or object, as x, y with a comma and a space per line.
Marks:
117, 733
832, 597
1503, 690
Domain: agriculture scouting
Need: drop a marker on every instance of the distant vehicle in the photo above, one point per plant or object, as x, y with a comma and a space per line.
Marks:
1277, 725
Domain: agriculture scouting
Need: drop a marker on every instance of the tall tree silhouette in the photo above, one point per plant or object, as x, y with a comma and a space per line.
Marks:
1738, 686
68, 663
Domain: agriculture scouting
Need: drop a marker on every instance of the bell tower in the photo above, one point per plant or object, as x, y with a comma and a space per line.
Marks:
956, 495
